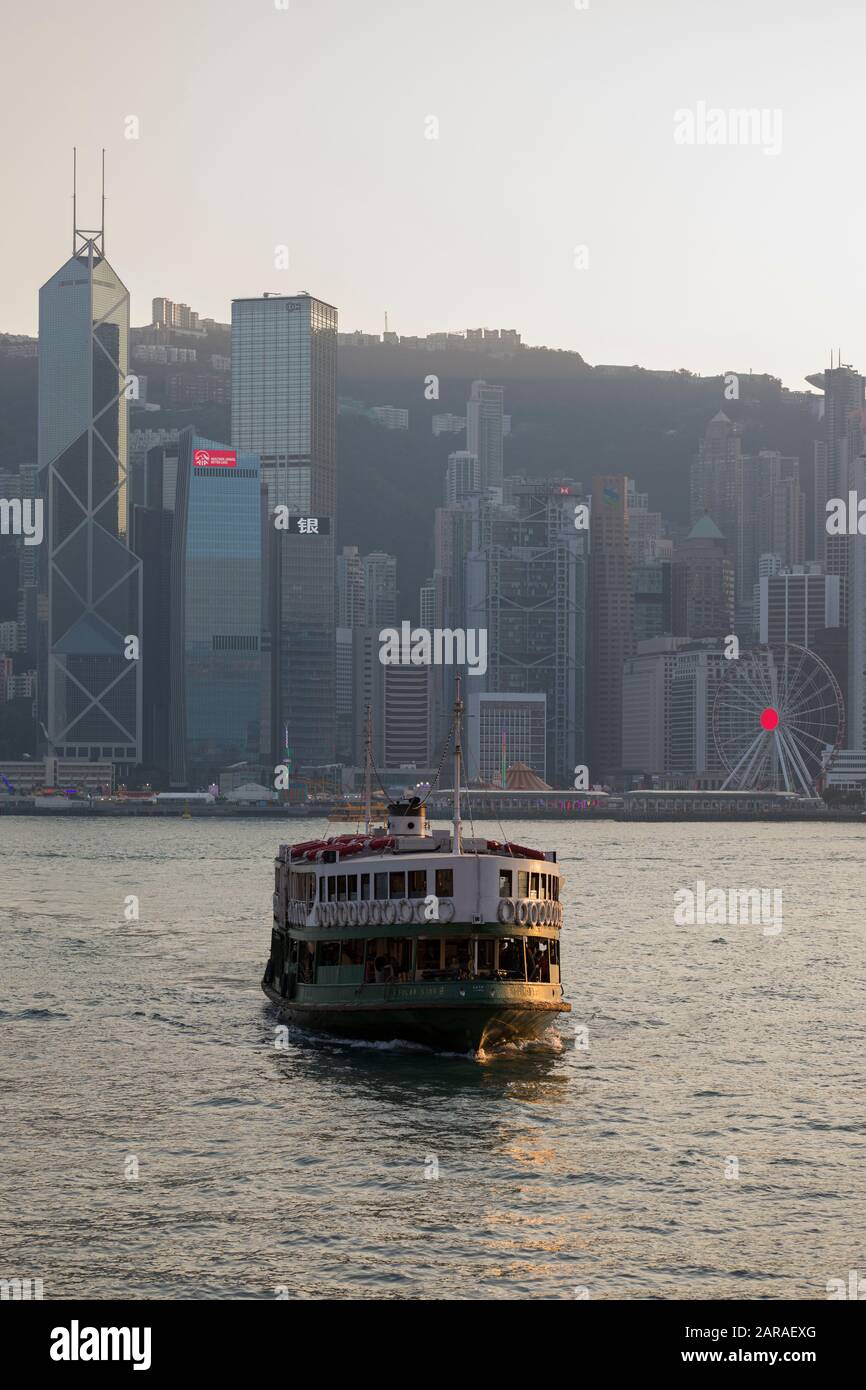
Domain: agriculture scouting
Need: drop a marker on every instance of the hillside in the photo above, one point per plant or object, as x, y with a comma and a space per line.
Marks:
567, 419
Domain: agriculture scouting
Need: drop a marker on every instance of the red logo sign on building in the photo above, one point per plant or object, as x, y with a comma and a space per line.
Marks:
214, 458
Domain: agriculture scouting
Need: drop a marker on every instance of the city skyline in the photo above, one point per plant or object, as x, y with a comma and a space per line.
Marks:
269, 660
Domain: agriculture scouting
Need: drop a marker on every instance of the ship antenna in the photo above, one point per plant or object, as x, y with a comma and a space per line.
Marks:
368, 768
458, 713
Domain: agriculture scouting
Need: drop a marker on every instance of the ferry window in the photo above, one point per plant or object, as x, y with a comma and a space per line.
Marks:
306, 965
417, 883
533, 885
398, 885
322, 883
428, 956
341, 888
537, 962
511, 958
353, 888
445, 883
553, 950
522, 884
555, 889
400, 958
505, 883
388, 959
457, 956
365, 887
351, 952
328, 953
485, 958
381, 885
332, 888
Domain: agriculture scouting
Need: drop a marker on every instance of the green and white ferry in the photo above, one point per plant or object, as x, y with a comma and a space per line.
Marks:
423, 935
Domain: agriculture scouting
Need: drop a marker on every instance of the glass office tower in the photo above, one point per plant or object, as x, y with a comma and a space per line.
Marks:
94, 579
216, 585
284, 407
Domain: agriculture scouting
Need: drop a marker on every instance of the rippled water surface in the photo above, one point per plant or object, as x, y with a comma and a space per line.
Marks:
310, 1170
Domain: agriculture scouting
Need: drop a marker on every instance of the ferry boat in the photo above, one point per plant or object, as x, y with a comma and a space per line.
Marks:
427, 936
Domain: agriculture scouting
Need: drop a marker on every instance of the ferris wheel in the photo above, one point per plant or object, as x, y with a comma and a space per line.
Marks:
778, 719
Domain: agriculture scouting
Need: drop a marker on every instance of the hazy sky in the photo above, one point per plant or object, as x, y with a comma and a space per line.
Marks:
306, 126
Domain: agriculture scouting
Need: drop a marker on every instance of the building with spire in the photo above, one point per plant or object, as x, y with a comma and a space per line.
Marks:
94, 655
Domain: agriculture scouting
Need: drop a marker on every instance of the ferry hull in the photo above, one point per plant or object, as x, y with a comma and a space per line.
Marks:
446, 1027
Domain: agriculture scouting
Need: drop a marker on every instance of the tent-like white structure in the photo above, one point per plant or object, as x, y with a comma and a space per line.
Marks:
250, 792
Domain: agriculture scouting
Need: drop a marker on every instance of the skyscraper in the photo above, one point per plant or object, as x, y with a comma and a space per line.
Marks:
351, 593
844, 401
94, 579
485, 430
284, 408
217, 610
796, 604
380, 584
646, 705
462, 476
709, 580
717, 489
610, 620
525, 583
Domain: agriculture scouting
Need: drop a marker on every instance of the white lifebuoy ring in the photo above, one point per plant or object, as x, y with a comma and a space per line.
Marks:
544, 915
407, 911
376, 913
446, 910
505, 911
363, 914
421, 912
389, 912
533, 914
342, 914
522, 913
353, 914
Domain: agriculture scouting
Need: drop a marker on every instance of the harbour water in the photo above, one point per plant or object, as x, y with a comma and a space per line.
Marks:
694, 1129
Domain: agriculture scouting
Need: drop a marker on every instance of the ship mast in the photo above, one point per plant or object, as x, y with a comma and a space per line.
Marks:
458, 713
368, 769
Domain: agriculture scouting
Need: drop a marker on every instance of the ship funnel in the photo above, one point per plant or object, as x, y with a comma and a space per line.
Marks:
407, 818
